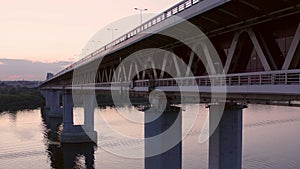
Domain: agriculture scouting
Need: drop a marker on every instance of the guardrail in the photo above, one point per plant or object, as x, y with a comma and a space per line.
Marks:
291, 77
150, 23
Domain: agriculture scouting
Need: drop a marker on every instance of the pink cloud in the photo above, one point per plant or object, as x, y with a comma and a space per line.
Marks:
12, 77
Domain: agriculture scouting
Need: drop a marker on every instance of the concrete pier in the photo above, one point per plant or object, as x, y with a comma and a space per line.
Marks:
78, 133
47, 97
225, 142
55, 110
89, 106
171, 158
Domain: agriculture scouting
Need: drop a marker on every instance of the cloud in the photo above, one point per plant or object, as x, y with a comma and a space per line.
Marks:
19, 69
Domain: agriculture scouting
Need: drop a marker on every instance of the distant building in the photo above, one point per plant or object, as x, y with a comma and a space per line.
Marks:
49, 75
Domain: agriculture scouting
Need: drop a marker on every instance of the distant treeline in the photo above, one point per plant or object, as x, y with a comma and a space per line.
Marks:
19, 98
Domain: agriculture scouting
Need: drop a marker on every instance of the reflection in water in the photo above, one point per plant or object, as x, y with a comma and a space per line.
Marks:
55, 155
271, 140
13, 116
51, 139
78, 155
66, 156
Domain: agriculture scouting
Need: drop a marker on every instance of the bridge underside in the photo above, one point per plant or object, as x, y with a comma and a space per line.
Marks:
249, 37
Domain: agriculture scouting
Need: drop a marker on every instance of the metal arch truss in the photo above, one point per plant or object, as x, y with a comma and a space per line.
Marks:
130, 70
108, 74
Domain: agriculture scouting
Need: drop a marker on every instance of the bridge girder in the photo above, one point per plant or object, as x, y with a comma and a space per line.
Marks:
240, 31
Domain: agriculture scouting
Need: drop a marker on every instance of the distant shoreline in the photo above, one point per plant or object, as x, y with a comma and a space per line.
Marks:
14, 98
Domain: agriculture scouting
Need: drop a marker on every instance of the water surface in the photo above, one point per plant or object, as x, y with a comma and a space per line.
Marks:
271, 140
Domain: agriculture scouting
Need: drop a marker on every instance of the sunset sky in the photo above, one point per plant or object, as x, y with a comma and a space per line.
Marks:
39, 32
58, 30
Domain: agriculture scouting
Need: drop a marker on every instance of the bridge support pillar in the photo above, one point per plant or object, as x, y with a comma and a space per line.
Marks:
89, 106
78, 133
163, 146
47, 97
225, 142
55, 110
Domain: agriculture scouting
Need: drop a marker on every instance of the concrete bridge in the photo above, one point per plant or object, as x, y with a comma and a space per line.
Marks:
219, 52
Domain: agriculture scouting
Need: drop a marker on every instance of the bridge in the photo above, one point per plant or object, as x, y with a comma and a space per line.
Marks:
225, 53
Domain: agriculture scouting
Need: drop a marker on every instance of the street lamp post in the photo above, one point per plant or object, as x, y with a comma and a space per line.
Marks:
112, 32
141, 13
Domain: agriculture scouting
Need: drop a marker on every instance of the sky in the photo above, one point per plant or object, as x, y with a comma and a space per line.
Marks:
52, 31
21, 69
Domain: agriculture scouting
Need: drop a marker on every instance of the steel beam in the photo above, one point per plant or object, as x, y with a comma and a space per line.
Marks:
231, 51
259, 50
292, 51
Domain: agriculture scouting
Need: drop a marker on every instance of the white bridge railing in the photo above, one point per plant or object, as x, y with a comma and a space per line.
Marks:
289, 77
287, 82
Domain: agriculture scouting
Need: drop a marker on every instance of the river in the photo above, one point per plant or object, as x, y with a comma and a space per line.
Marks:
271, 140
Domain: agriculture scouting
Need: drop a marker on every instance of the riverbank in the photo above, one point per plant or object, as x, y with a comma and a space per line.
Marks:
19, 98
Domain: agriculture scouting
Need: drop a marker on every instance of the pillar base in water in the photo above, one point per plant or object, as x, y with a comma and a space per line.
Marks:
56, 113
78, 136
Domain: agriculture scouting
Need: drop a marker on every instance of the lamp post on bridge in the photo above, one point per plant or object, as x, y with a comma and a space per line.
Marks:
141, 13
112, 32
